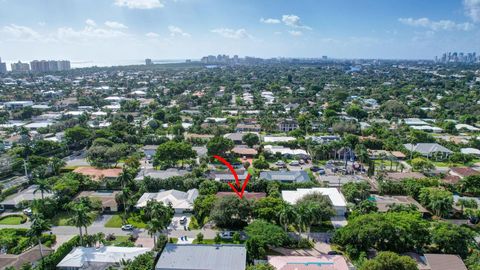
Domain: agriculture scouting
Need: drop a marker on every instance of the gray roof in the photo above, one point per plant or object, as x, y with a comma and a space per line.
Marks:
427, 148
202, 257
293, 176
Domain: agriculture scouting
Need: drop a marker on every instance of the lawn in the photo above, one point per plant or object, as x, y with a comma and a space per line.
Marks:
386, 164
62, 218
12, 220
120, 241
116, 222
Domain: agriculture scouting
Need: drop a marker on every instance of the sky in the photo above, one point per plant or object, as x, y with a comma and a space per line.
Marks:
119, 31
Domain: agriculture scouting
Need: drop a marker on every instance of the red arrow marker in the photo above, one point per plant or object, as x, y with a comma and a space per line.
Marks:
237, 181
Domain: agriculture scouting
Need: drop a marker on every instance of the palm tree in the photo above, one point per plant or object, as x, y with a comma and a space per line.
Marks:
38, 226
81, 218
466, 203
43, 185
287, 216
153, 227
159, 214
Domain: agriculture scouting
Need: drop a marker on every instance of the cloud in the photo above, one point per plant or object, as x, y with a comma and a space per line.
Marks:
472, 9
295, 33
232, 33
90, 31
115, 25
294, 21
445, 25
22, 33
139, 4
177, 31
270, 21
152, 35
90, 22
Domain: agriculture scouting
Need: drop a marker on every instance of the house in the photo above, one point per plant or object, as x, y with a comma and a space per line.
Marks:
106, 198
93, 258
14, 105
286, 176
278, 139
99, 174
438, 261
463, 172
428, 128
324, 139
319, 262
466, 127
247, 195
429, 149
244, 151
456, 198
30, 256
202, 257
227, 176
287, 152
336, 197
160, 174
26, 195
385, 202
470, 151
287, 125
414, 122
248, 127
181, 201
235, 137
149, 150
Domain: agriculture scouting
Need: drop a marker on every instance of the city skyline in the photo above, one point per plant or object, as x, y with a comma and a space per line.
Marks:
86, 31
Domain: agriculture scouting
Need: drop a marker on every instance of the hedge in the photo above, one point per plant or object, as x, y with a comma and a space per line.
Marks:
50, 262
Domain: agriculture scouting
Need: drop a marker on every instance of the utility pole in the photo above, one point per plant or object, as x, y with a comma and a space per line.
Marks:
25, 167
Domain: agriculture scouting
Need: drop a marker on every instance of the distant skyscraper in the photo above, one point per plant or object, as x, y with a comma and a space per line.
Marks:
148, 62
49, 66
3, 67
20, 67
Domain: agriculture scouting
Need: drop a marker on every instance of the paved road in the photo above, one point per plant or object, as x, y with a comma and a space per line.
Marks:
13, 181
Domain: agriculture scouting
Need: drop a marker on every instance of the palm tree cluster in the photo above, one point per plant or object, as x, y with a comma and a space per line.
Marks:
158, 216
81, 215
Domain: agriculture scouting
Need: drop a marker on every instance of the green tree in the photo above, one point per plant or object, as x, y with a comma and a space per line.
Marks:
438, 200
202, 207
80, 218
78, 137
268, 208
466, 203
388, 261
37, 227
250, 139
422, 165
230, 212
170, 153
219, 146
208, 187
43, 186
356, 111
266, 233
452, 239
356, 191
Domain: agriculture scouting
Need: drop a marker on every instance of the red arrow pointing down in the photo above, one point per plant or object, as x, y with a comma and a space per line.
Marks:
237, 181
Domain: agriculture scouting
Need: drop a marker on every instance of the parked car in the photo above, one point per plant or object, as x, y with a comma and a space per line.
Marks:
229, 235
280, 164
294, 163
27, 211
315, 168
128, 227
321, 171
183, 220
301, 161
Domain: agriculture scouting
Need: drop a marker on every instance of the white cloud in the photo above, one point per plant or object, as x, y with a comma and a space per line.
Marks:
270, 21
177, 31
472, 8
294, 21
21, 33
115, 25
436, 25
232, 33
139, 4
90, 31
152, 35
90, 22
295, 33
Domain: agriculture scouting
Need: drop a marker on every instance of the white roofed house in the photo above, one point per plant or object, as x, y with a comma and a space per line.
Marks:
181, 202
429, 150
93, 258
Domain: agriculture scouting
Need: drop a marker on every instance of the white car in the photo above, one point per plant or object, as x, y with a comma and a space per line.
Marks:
128, 227
27, 211
294, 163
183, 220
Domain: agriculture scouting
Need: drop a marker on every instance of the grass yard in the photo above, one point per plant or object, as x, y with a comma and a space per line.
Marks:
116, 222
13, 220
62, 219
120, 241
212, 242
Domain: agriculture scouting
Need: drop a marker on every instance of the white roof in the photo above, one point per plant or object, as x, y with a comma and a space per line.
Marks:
284, 151
81, 256
292, 196
178, 199
38, 125
471, 151
465, 126
278, 139
414, 121
74, 113
114, 98
427, 127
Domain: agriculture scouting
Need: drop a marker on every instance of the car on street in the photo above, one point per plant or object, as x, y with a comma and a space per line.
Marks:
183, 220
128, 227
27, 211
280, 164
294, 163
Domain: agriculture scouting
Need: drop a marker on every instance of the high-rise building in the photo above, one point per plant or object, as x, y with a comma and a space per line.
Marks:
3, 67
20, 67
49, 66
148, 62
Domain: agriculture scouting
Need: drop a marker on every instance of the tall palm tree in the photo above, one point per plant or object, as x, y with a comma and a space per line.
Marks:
153, 227
81, 218
287, 216
43, 185
38, 226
